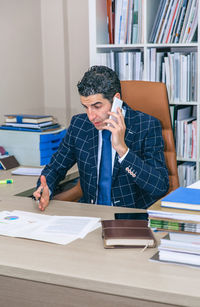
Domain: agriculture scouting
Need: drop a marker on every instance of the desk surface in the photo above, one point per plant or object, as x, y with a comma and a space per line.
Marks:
85, 264
24, 183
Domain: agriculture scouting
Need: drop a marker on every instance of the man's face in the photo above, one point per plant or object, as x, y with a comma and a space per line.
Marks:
97, 109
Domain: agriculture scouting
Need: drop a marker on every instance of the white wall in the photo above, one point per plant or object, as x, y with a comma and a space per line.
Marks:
21, 80
44, 51
78, 44
54, 59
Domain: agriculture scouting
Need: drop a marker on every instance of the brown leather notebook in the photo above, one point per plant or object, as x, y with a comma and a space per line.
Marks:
9, 162
127, 233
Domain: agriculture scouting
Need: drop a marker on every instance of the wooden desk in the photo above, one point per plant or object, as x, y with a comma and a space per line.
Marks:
25, 185
83, 273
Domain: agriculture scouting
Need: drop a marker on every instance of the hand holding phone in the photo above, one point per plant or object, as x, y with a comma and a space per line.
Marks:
118, 128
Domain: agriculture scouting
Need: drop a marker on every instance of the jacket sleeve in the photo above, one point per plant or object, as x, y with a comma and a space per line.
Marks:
146, 167
60, 162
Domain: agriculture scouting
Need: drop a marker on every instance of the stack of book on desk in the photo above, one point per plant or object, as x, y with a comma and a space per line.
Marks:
179, 248
27, 122
178, 214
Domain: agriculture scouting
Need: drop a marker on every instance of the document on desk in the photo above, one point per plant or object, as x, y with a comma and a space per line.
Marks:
54, 229
27, 171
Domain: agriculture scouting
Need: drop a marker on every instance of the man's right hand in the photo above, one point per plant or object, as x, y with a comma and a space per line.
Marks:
42, 194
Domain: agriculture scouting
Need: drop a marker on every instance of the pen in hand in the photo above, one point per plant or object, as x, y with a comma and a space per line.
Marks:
42, 194
34, 198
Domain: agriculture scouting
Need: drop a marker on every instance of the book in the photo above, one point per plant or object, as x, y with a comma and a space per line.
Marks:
156, 211
161, 20
36, 129
177, 258
27, 118
176, 20
170, 21
110, 20
8, 162
165, 22
182, 198
175, 225
27, 125
124, 22
179, 249
127, 233
193, 26
157, 21
187, 173
118, 20
135, 23
188, 243
186, 16
176, 37
193, 8
130, 21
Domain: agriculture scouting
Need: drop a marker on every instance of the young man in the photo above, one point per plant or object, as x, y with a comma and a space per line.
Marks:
139, 175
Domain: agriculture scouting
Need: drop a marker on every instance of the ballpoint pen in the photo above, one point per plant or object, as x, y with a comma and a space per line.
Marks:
33, 197
6, 181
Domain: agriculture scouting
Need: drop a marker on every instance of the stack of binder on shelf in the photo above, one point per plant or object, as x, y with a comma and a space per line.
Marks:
28, 140
178, 214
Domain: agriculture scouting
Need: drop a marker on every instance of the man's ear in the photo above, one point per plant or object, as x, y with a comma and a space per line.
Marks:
117, 95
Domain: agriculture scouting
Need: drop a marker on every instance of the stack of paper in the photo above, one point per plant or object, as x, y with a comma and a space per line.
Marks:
54, 229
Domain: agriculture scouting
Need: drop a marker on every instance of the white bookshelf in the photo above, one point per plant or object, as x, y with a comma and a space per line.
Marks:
98, 39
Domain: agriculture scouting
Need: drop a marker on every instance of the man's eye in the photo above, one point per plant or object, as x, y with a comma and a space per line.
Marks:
98, 106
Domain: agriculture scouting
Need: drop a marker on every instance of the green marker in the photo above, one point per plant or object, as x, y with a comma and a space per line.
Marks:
6, 181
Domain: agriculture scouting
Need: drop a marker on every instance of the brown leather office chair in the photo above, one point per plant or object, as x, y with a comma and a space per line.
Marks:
150, 98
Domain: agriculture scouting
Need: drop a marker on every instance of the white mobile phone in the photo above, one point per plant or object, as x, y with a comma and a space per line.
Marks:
117, 103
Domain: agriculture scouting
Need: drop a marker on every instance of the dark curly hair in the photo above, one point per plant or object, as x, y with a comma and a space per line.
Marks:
100, 80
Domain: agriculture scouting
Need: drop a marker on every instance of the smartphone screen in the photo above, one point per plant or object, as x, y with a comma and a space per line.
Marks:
131, 216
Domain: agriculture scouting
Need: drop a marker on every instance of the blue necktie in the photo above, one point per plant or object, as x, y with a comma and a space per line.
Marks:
105, 171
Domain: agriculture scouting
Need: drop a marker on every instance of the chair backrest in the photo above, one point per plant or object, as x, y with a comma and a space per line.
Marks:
151, 98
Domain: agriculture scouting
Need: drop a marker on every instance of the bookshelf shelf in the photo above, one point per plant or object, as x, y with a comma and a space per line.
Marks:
193, 103
186, 160
124, 46
101, 51
148, 45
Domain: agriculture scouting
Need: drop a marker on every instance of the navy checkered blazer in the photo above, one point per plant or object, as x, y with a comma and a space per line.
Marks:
137, 182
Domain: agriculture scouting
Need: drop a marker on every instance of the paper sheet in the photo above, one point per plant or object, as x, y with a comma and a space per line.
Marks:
54, 229
195, 185
27, 171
